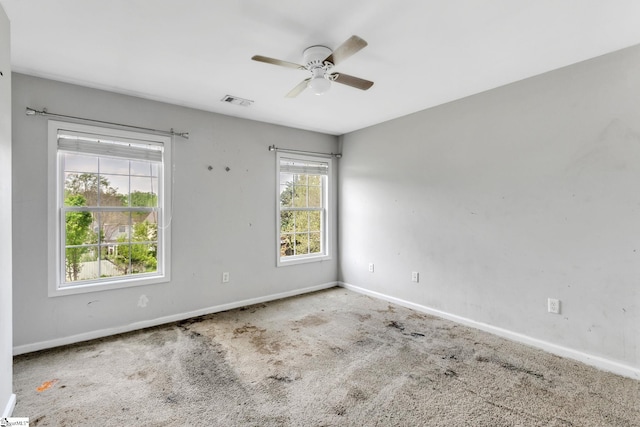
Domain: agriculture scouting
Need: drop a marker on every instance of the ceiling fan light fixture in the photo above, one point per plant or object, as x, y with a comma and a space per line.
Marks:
319, 85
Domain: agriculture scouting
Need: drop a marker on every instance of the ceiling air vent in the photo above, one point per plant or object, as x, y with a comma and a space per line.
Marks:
236, 101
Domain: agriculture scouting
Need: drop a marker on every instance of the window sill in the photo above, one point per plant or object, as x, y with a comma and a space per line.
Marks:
302, 260
57, 291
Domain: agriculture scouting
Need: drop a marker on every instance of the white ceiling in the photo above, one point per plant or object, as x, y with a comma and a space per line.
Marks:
421, 53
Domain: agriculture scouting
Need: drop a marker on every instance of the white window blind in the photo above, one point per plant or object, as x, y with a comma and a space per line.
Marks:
122, 148
308, 168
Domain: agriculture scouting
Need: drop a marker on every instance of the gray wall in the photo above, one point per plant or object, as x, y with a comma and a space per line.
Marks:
504, 199
222, 221
499, 201
6, 362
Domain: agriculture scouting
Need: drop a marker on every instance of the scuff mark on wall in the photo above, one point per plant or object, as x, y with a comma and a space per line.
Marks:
143, 301
617, 149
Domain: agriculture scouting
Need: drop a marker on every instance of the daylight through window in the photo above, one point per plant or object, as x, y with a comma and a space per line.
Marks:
303, 188
110, 207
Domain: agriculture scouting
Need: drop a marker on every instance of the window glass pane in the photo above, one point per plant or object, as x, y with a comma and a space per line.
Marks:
144, 168
314, 243
300, 196
144, 191
286, 190
286, 194
286, 178
143, 259
287, 223
315, 180
302, 243
286, 245
301, 219
81, 263
315, 218
80, 189
115, 227
149, 218
78, 228
79, 163
114, 190
108, 266
315, 197
98, 235
120, 257
144, 230
109, 166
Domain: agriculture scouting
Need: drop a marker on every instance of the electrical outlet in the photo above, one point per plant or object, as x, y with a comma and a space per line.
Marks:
553, 305
415, 276
370, 267
225, 277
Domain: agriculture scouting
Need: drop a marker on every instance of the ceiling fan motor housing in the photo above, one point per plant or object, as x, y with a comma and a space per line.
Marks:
314, 57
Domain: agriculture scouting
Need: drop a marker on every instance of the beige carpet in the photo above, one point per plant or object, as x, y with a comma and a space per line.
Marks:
332, 358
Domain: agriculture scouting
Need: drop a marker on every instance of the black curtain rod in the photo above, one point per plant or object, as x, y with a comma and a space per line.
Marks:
44, 112
289, 150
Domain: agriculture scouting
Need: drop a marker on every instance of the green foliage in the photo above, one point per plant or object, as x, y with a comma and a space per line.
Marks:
90, 186
138, 257
77, 232
140, 198
143, 199
82, 183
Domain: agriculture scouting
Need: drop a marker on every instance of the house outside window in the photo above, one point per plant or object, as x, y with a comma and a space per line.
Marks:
303, 194
108, 198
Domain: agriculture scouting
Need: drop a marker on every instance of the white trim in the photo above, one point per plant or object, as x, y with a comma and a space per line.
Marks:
9, 407
123, 282
302, 259
28, 348
595, 361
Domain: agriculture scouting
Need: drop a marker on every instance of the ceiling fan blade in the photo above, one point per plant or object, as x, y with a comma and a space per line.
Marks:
274, 61
346, 49
348, 80
298, 89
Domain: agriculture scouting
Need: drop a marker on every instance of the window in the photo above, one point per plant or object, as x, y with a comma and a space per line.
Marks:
302, 209
108, 197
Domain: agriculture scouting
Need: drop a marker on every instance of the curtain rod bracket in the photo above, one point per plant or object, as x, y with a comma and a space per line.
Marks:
33, 112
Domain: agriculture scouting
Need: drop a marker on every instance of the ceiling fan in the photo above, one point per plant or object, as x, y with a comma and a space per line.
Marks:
319, 61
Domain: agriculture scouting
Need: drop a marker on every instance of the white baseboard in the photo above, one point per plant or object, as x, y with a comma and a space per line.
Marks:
8, 409
28, 348
595, 361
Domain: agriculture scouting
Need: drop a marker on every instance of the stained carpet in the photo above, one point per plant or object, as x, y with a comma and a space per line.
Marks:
331, 358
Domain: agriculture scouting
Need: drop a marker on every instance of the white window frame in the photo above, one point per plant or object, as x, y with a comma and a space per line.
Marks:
56, 253
326, 221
